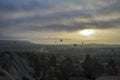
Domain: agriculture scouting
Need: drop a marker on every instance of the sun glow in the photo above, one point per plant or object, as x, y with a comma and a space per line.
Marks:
87, 32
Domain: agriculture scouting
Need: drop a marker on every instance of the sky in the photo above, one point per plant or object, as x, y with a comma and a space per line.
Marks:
49, 21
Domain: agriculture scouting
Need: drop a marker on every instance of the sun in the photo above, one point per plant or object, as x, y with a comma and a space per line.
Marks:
87, 32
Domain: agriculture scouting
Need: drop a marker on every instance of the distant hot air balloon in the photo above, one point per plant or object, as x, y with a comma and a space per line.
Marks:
82, 43
74, 44
61, 40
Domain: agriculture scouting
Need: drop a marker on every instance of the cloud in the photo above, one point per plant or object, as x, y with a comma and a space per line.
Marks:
58, 27
16, 5
62, 22
26, 16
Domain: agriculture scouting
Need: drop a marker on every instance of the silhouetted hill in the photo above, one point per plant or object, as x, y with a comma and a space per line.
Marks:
23, 44
10, 43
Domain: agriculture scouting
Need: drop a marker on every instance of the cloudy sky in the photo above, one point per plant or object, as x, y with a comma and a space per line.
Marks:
48, 21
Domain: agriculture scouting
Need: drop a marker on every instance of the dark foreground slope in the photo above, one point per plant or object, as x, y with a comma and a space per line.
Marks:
21, 60
46, 66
